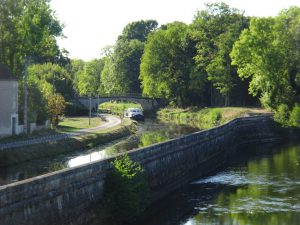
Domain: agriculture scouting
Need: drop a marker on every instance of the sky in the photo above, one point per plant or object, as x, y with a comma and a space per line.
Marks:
90, 25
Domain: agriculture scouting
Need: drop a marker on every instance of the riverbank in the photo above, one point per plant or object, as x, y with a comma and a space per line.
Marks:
75, 143
205, 118
167, 166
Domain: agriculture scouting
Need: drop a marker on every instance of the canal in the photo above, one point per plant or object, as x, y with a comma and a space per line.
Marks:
149, 132
261, 185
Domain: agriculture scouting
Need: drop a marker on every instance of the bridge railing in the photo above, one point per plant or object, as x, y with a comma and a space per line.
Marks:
126, 95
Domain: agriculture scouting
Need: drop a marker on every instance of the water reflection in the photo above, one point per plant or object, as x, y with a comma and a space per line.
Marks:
264, 189
149, 132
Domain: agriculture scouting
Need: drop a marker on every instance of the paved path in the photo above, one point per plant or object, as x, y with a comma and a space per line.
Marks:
111, 121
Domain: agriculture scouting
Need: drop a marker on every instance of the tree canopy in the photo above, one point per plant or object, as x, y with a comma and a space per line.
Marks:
215, 30
166, 65
29, 28
268, 53
123, 63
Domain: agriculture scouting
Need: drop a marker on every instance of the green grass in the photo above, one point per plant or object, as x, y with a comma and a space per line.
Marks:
206, 117
118, 108
70, 124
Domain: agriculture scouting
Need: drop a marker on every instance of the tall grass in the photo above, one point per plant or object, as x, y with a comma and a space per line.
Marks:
206, 117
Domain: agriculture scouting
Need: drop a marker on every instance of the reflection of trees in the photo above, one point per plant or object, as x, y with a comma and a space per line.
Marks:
149, 138
164, 133
271, 196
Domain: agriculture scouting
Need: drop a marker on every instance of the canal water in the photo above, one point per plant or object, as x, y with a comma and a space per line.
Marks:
149, 132
260, 186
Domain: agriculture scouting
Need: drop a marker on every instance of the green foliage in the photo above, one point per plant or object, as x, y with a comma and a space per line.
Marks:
215, 30
51, 78
75, 70
138, 30
268, 53
122, 67
37, 103
204, 118
89, 79
282, 114
149, 138
295, 116
56, 108
166, 65
126, 190
28, 28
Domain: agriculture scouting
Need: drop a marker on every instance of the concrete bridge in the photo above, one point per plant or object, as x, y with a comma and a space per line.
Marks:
146, 103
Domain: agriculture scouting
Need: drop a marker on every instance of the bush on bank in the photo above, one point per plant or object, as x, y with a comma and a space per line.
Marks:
126, 190
288, 117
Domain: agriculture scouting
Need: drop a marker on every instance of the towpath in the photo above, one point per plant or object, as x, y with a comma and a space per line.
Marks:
111, 121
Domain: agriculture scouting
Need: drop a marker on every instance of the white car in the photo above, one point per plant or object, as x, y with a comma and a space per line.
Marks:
134, 113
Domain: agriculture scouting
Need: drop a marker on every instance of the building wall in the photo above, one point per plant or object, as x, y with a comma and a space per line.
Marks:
8, 106
65, 197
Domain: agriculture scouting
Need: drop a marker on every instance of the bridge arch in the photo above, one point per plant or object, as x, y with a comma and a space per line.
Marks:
146, 103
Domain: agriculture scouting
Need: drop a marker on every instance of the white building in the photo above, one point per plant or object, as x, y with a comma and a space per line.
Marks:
8, 102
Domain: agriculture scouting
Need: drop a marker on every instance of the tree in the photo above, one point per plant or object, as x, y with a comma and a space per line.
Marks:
29, 28
138, 30
215, 30
37, 103
268, 53
76, 69
46, 83
166, 66
89, 79
56, 107
56, 76
123, 64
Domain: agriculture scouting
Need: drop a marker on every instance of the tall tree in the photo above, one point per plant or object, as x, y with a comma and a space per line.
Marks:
28, 28
166, 67
124, 61
138, 30
269, 53
90, 79
55, 75
215, 30
76, 69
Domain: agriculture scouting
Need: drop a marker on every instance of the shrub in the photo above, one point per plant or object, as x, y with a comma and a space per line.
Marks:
126, 190
282, 114
295, 116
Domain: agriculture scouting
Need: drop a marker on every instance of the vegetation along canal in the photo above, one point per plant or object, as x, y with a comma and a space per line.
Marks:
260, 186
150, 131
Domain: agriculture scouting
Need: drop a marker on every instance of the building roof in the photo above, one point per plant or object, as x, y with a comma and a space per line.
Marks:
6, 74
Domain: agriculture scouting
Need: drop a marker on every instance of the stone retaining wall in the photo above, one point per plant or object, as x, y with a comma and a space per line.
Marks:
59, 198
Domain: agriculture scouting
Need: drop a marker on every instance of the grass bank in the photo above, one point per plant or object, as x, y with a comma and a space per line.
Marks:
206, 117
83, 142
70, 124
